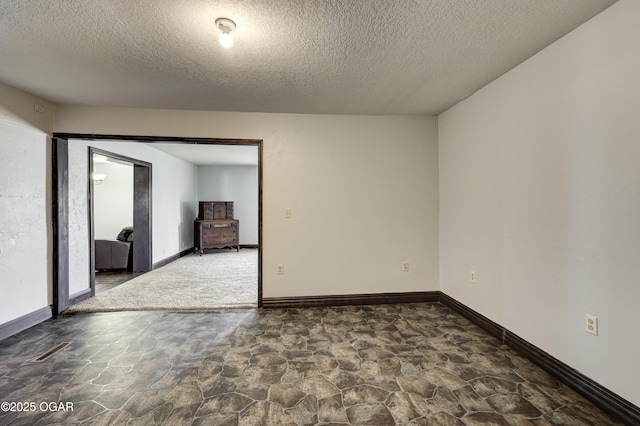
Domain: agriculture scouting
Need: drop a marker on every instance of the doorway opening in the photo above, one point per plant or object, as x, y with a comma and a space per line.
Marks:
63, 228
119, 203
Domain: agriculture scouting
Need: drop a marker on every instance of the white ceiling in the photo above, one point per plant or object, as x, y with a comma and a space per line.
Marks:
295, 56
211, 155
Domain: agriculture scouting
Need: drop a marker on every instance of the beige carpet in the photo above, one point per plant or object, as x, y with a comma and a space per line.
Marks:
217, 279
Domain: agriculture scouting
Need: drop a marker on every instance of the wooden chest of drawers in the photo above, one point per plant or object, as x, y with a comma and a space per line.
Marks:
217, 233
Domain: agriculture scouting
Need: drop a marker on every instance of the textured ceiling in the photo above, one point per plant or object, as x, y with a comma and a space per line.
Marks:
296, 56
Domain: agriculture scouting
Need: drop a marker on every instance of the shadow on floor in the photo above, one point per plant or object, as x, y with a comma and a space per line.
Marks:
106, 280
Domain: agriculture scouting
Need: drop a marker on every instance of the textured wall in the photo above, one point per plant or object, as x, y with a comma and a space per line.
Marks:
24, 204
540, 195
78, 219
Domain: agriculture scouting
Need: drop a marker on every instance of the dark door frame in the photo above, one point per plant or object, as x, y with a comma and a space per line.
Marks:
142, 172
60, 181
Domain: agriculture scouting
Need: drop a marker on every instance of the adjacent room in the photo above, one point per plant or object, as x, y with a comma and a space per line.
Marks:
440, 209
218, 275
112, 221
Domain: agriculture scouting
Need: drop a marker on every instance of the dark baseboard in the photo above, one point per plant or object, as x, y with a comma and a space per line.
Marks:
597, 394
249, 246
80, 296
594, 392
173, 258
350, 299
481, 321
26, 321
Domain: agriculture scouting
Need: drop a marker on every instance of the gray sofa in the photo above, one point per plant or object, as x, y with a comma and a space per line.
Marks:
115, 254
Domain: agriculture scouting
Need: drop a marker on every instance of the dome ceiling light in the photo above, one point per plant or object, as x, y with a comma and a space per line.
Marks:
226, 26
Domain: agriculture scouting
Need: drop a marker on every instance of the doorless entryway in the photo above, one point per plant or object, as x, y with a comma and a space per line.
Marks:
63, 228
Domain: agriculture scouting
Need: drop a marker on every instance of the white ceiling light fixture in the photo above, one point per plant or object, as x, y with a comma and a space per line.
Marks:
226, 26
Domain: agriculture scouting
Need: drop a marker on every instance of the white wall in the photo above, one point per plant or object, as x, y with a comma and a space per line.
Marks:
540, 195
363, 192
238, 184
113, 199
173, 203
78, 219
107, 215
174, 197
24, 204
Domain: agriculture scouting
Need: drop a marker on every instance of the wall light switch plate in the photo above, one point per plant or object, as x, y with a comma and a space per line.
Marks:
280, 269
472, 276
405, 266
287, 212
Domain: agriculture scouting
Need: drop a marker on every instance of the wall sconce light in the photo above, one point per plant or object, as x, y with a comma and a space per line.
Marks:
98, 178
226, 26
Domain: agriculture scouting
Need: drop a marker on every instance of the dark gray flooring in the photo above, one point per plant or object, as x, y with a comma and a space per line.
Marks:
413, 364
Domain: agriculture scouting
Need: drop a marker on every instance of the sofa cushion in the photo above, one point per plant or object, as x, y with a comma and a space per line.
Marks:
112, 254
126, 234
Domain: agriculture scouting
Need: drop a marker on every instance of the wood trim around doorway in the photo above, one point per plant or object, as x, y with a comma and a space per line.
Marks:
142, 212
60, 201
60, 216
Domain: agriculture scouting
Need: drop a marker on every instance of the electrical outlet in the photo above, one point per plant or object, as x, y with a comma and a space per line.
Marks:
287, 212
591, 324
472, 276
405, 266
280, 270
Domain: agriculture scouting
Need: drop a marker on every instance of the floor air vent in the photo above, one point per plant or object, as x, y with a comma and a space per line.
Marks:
52, 351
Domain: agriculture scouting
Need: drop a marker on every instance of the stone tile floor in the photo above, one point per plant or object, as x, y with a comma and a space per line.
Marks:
412, 364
